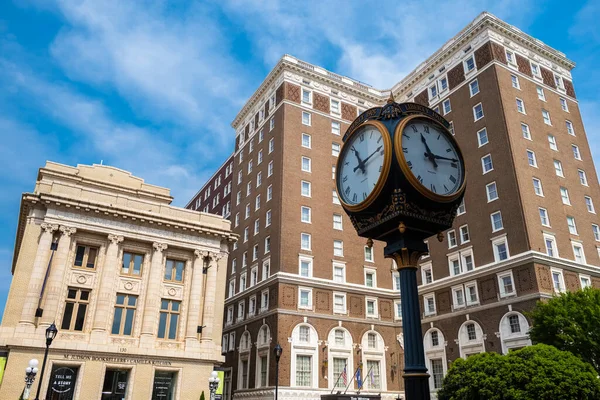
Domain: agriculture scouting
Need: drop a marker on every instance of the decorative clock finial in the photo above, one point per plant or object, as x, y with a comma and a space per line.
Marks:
369, 243
391, 99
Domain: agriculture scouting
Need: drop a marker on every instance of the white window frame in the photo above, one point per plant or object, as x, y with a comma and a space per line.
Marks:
345, 309
375, 307
579, 245
538, 190
342, 248
525, 131
310, 298
561, 280
446, 106
548, 237
462, 234
372, 272
552, 142
596, 232
309, 213
544, 217
341, 266
569, 126
468, 301
452, 240
339, 106
589, 204
582, 177
497, 241
455, 290
540, 93
494, 229
424, 269
533, 159
521, 106
341, 222
501, 288
466, 64
576, 152
302, 159
487, 191
563, 104
585, 281
514, 81
473, 93
426, 309
306, 118
336, 131
306, 136
308, 235
475, 112
309, 260
573, 229
483, 164
546, 113
309, 93
479, 137
558, 169
512, 59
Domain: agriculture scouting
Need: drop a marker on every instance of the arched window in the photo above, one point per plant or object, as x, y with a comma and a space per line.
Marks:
435, 355
373, 360
340, 357
263, 354
513, 331
471, 339
244, 360
304, 358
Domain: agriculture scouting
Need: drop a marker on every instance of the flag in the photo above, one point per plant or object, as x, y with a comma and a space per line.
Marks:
344, 376
372, 378
358, 378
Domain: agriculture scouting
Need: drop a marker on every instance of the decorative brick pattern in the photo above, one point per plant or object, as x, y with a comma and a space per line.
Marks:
548, 77
488, 289
498, 52
569, 88
455, 77
523, 65
525, 280
483, 55
357, 306
279, 93
348, 111
571, 281
321, 102
289, 296
323, 303
443, 301
423, 98
543, 277
385, 309
292, 92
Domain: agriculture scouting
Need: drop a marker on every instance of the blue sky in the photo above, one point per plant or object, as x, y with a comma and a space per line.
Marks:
152, 86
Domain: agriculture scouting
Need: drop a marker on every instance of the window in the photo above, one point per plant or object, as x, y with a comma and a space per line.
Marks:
305, 214
471, 332
429, 301
544, 217
576, 153
248, 188
558, 281
526, 132
257, 202
589, 204
264, 300
335, 149
478, 112
596, 232
369, 254
252, 306
540, 93
482, 137
306, 118
437, 371
371, 307
306, 164
531, 159
238, 198
271, 145
564, 105
338, 248
268, 218
132, 264
339, 273
333, 172
271, 124
510, 57
305, 241
474, 87
75, 309
520, 106
335, 107
261, 134
558, 168
464, 234
231, 289
559, 82
446, 106
241, 310
174, 271
305, 189
443, 84
246, 234
571, 225
497, 221
336, 200
452, 239
306, 96
550, 243
552, 142
396, 280
340, 338
124, 315
168, 319
303, 370
306, 267
259, 178
486, 164
243, 282
335, 127
537, 187
515, 82
250, 166
426, 274
500, 249
578, 253
535, 70
469, 64
505, 282
582, 177
305, 298
255, 252
370, 278
461, 207
471, 293
585, 281
570, 129
546, 117
433, 91
85, 256
339, 303
451, 127
458, 297
375, 379
269, 192
267, 244
306, 140
337, 222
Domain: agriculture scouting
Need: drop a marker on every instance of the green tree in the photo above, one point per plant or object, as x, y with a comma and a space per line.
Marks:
537, 372
570, 322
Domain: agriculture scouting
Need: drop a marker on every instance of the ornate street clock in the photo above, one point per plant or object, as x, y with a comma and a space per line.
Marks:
400, 178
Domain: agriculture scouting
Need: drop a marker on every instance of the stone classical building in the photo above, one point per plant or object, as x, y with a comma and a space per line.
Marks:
135, 286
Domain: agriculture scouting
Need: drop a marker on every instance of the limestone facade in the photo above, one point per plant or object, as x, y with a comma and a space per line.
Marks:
134, 285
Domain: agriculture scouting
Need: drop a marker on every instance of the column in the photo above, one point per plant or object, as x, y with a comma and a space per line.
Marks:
195, 301
38, 272
106, 289
208, 318
152, 305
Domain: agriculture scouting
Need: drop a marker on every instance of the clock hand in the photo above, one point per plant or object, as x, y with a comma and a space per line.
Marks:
443, 158
428, 152
361, 164
366, 159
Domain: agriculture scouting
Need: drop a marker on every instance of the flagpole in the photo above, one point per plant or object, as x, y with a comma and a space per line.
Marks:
338, 379
363, 381
351, 380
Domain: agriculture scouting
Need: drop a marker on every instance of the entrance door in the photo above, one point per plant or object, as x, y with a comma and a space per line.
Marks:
164, 385
115, 384
62, 383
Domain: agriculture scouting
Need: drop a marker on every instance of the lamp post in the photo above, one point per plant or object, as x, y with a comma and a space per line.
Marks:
213, 384
277, 350
51, 332
30, 373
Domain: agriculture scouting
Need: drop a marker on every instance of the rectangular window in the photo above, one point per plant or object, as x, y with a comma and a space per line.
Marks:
544, 217
464, 234
264, 300
305, 297
585, 281
515, 82
540, 93
429, 301
305, 241
505, 282
375, 378
124, 314
471, 293
474, 87
469, 64
486, 163
531, 159
306, 267
338, 248
558, 281
76, 305
550, 243
461, 207
250, 166
306, 164
478, 112
306, 96
267, 244
537, 187
437, 372
558, 168
369, 254
570, 129
576, 153
305, 189
335, 149
271, 124
458, 297
578, 253
526, 132
257, 202
520, 106
339, 303
168, 319
259, 178
306, 118
564, 105
336, 200
582, 177
589, 204
264, 366
433, 91
335, 107
510, 58
446, 106
552, 142
427, 276
336, 127
571, 225
269, 192
132, 264
451, 239
546, 117
268, 218
337, 222
482, 137
535, 70
596, 232
303, 370
497, 223
85, 256
271, 145
305, 214
371, 307
370, 280
306, 140
443, 84
339, 273
174, 271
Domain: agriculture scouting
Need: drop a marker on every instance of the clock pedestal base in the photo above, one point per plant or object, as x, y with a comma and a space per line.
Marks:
406, 255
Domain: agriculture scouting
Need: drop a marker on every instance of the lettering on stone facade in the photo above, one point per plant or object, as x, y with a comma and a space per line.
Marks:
112, 359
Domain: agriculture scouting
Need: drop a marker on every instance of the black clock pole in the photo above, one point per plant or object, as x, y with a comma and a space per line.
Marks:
406, 253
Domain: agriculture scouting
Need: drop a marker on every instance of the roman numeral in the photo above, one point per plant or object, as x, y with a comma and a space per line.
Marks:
414, 128
454, 165
380, 168
448, 150
380, 138
452, 179
433, 188
354, 197
345, 178
445, 188
439, 137
371, 135
426, 128
347, 191
406, 136
352, 148
364, 195
362, 137
405, 150
381, 152
347, 163
420, 179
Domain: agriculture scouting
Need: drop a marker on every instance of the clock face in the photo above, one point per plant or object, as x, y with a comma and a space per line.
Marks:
432, 157
362, 163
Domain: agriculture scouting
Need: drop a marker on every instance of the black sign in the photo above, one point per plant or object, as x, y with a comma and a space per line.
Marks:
350, 397
164, 383
62, 383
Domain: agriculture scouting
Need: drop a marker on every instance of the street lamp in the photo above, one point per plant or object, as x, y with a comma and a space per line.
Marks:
51, 332
277, 350
213, 384
30, 373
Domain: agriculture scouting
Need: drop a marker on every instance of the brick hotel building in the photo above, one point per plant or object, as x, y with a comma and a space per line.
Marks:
301, 277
